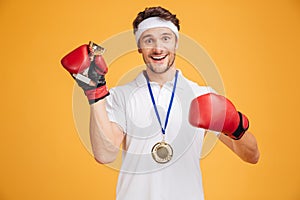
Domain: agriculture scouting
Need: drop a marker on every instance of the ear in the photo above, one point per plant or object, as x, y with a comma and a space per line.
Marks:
176, 45
139, 50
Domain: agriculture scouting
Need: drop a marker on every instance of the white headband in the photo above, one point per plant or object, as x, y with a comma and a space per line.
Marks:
154, 22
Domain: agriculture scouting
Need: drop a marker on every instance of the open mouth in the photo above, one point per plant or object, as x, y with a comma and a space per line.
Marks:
159, 58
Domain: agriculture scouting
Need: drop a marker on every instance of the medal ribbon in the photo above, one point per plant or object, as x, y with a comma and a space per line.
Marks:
163, 129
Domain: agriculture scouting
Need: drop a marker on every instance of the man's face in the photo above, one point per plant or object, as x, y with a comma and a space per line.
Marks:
158, 45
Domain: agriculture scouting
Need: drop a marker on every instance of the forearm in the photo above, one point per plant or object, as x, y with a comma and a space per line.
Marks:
246, 147
105, 136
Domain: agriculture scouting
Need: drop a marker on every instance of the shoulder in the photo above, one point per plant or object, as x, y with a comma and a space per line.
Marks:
196, 88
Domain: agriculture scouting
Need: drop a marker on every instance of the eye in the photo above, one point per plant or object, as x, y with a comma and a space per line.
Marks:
148, 41
166, 38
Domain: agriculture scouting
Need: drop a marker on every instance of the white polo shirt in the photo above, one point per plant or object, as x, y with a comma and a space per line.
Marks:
140, 177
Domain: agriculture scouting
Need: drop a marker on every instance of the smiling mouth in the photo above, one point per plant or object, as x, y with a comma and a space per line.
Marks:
158, 58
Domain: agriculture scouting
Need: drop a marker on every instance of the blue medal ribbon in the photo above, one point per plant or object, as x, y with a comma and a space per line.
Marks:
163, 129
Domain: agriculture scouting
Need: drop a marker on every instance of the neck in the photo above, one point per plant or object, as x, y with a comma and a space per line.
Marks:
161, 78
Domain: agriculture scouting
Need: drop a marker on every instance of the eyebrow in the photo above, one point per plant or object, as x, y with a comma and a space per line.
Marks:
150, 35
145, 36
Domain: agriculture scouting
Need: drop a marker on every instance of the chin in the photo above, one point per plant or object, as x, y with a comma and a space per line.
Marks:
159, 69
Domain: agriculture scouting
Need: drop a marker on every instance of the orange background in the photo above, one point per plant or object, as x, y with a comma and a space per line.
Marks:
255, 45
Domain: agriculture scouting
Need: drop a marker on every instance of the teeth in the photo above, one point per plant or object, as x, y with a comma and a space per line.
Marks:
158, 57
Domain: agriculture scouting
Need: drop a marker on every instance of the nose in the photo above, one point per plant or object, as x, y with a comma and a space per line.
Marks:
158, 47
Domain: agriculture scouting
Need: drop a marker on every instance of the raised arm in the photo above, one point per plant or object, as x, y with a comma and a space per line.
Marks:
88, 68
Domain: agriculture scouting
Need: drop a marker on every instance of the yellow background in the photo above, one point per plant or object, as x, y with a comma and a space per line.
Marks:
255, 45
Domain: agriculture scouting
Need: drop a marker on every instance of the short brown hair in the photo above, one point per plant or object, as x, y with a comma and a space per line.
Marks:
155, 12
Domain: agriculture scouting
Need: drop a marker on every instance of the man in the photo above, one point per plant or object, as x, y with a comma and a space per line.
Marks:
160, 118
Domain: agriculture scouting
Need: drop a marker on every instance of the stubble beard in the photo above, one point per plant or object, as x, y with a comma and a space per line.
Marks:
159, 69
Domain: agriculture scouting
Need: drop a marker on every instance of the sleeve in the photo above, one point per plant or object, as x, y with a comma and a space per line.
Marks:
115, 107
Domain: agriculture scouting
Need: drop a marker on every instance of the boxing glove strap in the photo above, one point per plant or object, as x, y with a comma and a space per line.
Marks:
239, 132
96, 94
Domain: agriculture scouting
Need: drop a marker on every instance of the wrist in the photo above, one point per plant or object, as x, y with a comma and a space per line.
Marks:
242, 127
96, 94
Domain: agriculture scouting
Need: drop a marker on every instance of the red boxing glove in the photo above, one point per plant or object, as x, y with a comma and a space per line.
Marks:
77, 60
217, 113
88, 67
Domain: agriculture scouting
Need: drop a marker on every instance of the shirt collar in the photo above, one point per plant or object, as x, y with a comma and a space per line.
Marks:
141, 80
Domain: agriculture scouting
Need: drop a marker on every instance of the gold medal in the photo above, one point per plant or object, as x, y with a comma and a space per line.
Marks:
162, 152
